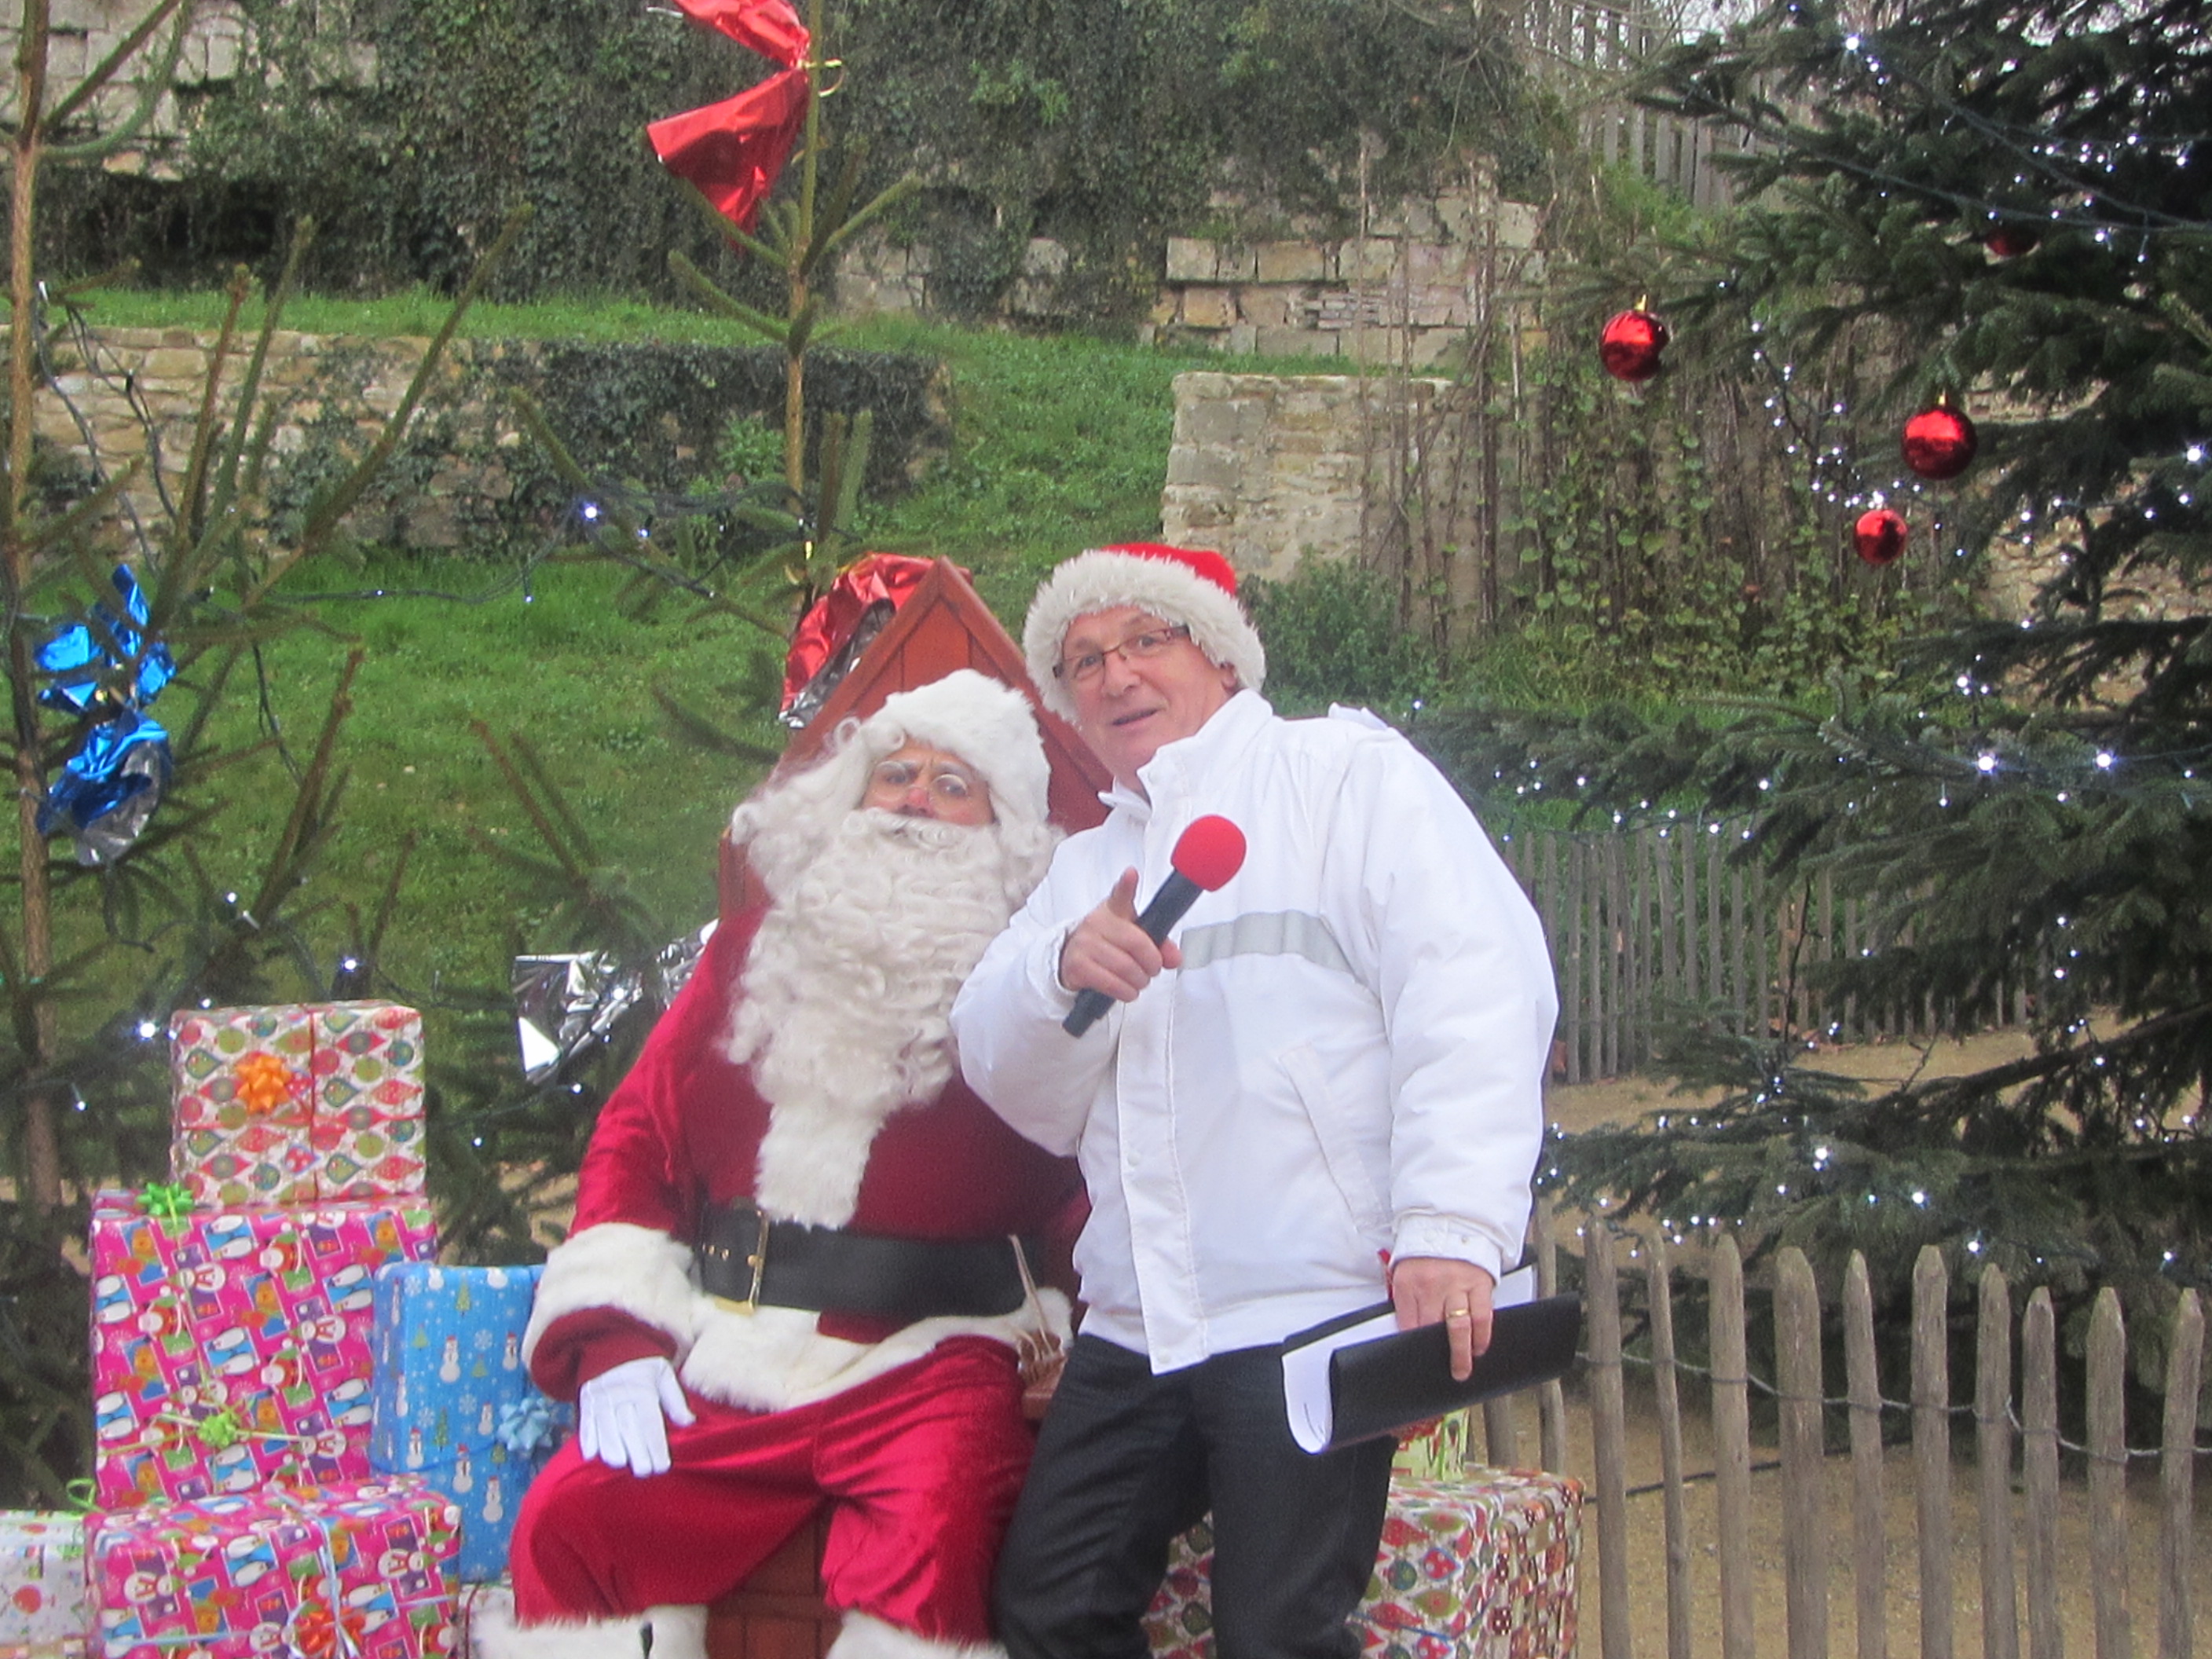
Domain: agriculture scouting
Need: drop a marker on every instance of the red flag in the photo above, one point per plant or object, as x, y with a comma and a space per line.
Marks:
770, 28
734, 151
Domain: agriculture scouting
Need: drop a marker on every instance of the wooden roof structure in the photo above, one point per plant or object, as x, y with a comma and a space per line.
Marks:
943, 626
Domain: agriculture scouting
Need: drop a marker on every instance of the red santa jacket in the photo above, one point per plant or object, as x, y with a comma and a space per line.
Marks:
683, 1132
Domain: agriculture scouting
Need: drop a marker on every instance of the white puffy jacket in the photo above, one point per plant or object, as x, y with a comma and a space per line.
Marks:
1349, 1062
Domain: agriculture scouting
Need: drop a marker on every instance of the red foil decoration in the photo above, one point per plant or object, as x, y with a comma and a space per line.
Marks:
830, 620
1879, 536
1631, 342
770, 27
734, 151
2010, 241
1940, 441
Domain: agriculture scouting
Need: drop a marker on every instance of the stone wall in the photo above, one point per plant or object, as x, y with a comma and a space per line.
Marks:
1406, 293
646, 416
1270, 470
82, 33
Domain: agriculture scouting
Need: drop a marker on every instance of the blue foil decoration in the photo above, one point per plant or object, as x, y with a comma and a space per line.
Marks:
109, 788
77, 656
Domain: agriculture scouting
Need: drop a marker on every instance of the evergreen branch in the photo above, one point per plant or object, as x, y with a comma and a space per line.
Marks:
572, 868
104, 71
159, 79
743, 240
324, 518
883, 203
193, 491
832, 212
69, 528
698, 729
249, 389
771, 328
309, 799
526, 753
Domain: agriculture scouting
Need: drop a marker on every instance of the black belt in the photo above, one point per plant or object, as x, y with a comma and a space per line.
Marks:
747, 1260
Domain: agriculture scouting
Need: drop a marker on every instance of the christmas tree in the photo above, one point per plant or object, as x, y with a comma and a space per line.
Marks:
2008, 205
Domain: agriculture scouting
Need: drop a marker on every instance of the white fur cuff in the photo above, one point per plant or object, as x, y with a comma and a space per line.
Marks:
640, 1271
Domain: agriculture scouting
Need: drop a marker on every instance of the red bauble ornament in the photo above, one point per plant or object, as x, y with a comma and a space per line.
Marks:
2010, 241
1879, 535
1631, 344
1939, 441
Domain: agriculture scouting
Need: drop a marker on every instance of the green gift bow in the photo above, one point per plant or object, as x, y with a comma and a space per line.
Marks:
166, 1200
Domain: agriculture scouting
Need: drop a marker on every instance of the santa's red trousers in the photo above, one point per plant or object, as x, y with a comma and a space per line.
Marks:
920, 1467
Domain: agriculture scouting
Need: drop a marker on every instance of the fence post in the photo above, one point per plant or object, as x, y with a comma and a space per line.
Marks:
2038, 1390
2108, 1476
1931, 1448
1869, 1555
2177, 1473
1551, 1398
1660, 1299
1732, 1449
1804, 1482
1993, 1456
1608, 1448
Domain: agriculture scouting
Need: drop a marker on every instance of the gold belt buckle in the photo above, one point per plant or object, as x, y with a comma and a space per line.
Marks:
756, 1264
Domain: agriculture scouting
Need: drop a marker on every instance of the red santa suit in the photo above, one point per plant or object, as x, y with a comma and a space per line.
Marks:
910, 1431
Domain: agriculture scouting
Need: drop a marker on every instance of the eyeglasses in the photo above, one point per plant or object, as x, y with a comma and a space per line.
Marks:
945, 781
1138, 647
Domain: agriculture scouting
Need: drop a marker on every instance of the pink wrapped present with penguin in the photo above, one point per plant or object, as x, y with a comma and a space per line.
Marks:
232, 1348
453, 1401
361, 1568
297, 1104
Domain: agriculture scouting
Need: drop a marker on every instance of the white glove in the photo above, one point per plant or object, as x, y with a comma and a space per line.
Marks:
619, 1415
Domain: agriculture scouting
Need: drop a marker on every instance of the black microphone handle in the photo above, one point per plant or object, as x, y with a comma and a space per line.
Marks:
1177, 895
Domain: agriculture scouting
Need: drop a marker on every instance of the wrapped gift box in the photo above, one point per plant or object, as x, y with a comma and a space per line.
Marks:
281, 1571
297, 1104
1479, 1568
42, 1586
231, 1346
453, 1401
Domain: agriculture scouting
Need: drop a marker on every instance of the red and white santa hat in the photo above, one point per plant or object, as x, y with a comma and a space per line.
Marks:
1185, 585
986, 722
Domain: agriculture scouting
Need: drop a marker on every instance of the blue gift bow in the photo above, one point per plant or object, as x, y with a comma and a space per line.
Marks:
108, 789
530, 1424
77, 656
120, 760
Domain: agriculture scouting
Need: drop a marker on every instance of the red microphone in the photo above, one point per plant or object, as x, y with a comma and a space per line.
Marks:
1205, 856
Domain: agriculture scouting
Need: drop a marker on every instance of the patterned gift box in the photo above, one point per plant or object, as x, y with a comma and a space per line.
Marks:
358, 1568
1482, 1568
297, 1104
42, 1586
453, 1400
230, 1346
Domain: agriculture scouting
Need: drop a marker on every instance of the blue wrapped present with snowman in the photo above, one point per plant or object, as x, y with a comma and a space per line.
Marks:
453, 1400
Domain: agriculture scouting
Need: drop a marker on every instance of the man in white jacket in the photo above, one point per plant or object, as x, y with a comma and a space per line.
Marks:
1324, 1089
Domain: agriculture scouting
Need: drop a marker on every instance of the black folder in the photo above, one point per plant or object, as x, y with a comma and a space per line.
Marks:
1377, 1384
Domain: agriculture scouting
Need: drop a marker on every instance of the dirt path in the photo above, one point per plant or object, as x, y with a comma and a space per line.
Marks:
1624, 1100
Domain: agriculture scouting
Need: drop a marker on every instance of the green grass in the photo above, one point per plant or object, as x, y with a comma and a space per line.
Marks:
1058, 444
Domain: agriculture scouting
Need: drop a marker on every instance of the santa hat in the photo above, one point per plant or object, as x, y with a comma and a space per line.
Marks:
986, 722
1184, 585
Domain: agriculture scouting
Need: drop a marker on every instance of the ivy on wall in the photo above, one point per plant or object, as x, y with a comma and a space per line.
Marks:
1107, 127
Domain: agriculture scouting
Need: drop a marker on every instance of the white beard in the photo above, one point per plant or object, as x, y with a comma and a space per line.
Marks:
844, 997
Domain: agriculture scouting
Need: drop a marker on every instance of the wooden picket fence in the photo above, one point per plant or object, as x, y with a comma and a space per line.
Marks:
1649, 924
2016, 1442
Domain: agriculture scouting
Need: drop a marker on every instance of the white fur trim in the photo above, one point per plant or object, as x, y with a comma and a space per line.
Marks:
865, 1637
987, 723
493, 1634
1101, 579
773, 1359
640, 1270
678, 1632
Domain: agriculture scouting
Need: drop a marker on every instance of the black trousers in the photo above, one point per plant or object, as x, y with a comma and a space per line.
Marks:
1127, 1459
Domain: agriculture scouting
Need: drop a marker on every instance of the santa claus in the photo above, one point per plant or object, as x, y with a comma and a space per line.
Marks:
804, 1257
